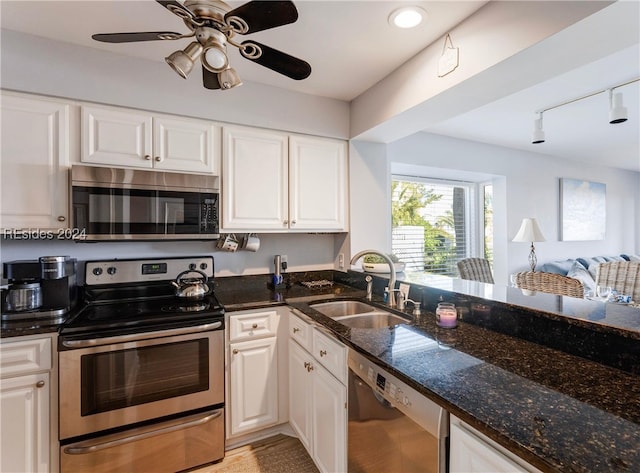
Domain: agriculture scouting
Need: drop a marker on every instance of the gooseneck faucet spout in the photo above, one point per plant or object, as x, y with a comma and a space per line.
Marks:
392, 271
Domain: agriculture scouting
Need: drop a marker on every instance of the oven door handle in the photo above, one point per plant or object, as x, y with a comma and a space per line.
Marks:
84, 448
140, 336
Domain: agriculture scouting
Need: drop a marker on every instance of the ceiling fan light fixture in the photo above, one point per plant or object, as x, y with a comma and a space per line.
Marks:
229, 79
182, 61
407, 17
215, 58
617, 111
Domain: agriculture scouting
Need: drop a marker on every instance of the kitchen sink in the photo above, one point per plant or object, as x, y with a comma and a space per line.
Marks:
356, 314
341, 308
372, 320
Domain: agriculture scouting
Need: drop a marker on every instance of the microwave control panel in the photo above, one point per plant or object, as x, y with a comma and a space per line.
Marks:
209, 215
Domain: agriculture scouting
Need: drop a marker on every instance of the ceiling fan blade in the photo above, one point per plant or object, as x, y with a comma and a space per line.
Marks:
210, 79
260, 15
176, 8
132, 37
276, 60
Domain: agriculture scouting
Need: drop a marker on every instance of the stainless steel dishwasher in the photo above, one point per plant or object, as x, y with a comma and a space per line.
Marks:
392, 427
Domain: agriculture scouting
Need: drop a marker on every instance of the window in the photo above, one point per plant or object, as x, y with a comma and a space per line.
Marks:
435, 223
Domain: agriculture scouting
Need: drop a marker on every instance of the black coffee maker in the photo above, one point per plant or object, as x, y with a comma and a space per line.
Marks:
43, 288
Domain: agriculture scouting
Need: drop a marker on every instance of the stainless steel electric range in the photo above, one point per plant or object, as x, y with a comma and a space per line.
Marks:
142, 368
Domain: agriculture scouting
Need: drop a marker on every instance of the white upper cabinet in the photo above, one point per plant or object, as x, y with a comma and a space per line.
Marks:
35, 155
276, 182
317, 183
255, 192
130, 138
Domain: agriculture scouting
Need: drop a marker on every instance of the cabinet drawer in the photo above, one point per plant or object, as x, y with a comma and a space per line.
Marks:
331, 354
27, 356
253, 325
300, 331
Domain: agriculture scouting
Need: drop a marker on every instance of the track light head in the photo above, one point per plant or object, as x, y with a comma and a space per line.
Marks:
617, 112
538, 132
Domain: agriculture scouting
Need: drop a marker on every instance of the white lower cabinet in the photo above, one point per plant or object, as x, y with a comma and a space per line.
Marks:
472, 452
254, 385
318, 396
254, 358
26, 404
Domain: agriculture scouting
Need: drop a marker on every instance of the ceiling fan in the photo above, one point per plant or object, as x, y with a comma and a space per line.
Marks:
214, 24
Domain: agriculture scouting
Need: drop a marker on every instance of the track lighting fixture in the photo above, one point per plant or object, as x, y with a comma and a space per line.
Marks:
538, 132
617, 112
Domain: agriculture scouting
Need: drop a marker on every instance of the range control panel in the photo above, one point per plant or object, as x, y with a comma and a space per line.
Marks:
142, 270
410, 402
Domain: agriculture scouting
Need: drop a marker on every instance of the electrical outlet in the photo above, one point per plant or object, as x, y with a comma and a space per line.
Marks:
404, 290
283, 258
341, 261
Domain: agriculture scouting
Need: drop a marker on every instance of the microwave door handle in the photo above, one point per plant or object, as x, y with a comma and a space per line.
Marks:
166, 216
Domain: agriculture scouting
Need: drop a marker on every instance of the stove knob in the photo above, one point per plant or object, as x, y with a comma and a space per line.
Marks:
97, 271
192, 266
111, 270
203, 266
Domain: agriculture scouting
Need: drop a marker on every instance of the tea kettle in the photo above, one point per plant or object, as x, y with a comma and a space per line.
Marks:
191, 288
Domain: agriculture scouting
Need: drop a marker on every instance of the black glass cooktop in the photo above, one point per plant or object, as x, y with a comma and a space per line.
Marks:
138, 308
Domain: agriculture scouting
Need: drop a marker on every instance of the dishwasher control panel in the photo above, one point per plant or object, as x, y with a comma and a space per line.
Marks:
410, 402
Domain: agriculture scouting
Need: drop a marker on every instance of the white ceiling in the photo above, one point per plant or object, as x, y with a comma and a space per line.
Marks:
351, 46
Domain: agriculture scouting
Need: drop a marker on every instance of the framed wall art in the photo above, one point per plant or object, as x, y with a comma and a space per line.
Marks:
583, 210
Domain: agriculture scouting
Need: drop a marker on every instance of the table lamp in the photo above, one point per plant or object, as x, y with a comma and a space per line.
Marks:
530, 232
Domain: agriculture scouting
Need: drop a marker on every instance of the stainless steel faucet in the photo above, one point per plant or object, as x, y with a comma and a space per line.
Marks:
392, 271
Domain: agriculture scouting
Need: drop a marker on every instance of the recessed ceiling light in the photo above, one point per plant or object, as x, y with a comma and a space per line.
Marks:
407, 17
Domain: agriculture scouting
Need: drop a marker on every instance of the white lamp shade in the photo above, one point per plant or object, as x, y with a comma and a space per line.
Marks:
529, 231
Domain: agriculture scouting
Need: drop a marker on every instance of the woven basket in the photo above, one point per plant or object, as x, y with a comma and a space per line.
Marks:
550, 282
623, 276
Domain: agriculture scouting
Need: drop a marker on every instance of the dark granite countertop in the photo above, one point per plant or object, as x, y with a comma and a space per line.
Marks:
558, 411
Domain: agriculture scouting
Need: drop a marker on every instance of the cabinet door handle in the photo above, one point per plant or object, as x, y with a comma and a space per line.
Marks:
323, 352
285, 222
296, 329
158, 158
40, 384
310, 368
254, 326
235, 351
293, 222
147, 157
61, 218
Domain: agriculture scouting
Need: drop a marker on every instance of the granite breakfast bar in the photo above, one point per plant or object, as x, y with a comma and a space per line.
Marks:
558, 411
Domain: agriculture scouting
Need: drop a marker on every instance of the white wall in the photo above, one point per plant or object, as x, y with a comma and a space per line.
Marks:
33, 64
304, 252
370, 183
528, 184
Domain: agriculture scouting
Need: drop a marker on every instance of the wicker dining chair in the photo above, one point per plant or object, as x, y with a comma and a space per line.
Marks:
475, 269
550, 282
623, 276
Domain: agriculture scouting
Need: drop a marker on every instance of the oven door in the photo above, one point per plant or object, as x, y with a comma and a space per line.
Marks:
105, 386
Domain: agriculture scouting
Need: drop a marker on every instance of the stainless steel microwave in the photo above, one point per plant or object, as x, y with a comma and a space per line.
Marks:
129, 204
